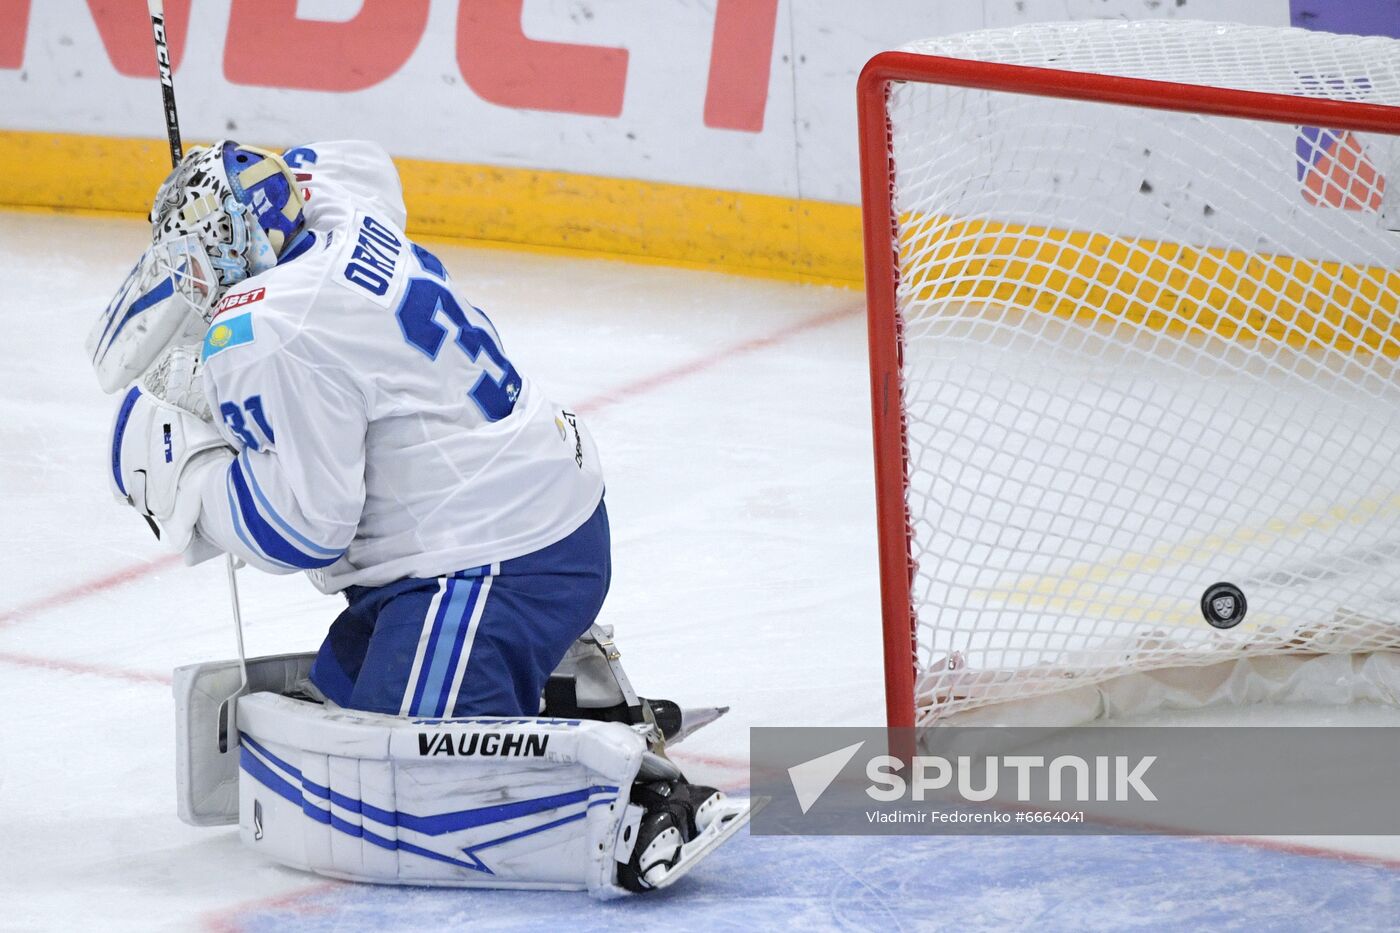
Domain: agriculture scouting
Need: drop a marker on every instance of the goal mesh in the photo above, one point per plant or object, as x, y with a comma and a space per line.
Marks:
1143, 352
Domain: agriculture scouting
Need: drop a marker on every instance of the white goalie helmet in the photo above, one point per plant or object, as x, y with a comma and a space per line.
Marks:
225, 213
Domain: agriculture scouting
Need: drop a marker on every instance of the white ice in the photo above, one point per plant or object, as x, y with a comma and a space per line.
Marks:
732, 416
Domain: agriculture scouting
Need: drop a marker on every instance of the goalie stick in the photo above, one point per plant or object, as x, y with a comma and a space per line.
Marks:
167, 80
156, 8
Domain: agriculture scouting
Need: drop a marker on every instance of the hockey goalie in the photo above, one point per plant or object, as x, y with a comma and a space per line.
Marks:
304, 388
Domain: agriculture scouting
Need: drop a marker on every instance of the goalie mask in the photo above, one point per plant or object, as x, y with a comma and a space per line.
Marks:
241, 202
224, 214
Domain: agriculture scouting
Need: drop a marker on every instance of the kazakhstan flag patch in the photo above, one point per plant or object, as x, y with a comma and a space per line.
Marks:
229, 333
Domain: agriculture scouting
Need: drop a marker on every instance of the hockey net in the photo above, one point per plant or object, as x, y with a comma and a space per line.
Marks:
1134, 300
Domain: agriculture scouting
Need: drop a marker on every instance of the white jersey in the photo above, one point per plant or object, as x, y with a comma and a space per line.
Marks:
382, 430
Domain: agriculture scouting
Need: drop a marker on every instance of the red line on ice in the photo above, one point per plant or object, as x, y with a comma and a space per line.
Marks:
83, 590
681, 371
1302, 848
231, 919
82, 667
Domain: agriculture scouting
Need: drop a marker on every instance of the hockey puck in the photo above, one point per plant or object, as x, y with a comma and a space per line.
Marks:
1224, 605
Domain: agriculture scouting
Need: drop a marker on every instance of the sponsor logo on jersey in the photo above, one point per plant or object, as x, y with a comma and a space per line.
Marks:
231, 333
572, 419
229, 302
488, 744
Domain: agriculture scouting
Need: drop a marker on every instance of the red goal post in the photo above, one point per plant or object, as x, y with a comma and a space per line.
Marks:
877, 161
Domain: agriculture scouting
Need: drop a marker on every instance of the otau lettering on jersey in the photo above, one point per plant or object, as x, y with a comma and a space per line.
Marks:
376, 254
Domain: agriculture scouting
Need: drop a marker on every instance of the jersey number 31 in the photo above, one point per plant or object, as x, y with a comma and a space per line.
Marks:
498, 386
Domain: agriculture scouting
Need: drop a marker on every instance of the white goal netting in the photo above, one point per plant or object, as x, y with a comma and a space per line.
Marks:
1146, 352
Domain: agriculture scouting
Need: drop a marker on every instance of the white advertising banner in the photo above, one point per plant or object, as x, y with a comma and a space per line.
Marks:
744, 95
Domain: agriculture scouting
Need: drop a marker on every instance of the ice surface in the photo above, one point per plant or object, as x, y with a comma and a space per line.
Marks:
732, 419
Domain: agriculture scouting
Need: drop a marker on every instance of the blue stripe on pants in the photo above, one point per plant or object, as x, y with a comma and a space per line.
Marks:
434, 633
444, 647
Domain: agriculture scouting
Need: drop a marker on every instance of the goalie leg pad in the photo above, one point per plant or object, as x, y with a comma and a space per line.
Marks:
481, 802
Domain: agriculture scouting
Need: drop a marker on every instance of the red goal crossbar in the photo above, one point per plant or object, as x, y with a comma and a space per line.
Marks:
882, 270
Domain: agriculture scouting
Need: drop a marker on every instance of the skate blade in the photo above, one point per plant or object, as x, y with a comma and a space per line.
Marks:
733, 816
693, 720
